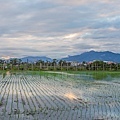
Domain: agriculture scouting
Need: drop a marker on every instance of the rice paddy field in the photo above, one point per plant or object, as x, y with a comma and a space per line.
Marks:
59, 96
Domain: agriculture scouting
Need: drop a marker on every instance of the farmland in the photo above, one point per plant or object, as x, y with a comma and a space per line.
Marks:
58, 96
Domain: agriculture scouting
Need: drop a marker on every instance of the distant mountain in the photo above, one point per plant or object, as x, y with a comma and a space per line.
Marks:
35, 58
93, 55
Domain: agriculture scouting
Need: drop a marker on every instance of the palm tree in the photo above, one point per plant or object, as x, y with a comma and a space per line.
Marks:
54, 63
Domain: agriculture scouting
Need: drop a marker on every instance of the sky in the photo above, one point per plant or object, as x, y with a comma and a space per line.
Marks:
58, 28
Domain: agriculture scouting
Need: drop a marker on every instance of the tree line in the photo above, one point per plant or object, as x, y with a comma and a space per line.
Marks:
17, 64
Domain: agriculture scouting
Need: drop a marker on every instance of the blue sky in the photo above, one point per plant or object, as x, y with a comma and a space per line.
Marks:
58, 28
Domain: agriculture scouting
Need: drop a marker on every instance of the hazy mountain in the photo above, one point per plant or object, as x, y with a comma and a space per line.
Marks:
93, 55
35, 58
86, 56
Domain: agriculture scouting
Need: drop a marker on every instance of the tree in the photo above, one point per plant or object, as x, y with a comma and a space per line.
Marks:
15, 61
1, 61
54, 62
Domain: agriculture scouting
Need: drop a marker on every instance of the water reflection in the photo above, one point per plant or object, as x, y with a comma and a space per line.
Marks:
8, 73
70, 96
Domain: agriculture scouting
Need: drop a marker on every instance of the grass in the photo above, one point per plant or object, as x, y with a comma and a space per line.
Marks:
97, 75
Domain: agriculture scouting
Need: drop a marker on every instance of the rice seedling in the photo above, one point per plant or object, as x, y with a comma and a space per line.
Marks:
50, 96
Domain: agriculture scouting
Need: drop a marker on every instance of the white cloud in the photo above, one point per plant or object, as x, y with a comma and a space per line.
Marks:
58, 28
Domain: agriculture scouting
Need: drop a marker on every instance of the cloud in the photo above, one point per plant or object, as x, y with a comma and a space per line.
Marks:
80, 2
57, 28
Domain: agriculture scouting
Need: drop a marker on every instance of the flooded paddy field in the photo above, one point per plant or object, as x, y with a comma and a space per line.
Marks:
26, 96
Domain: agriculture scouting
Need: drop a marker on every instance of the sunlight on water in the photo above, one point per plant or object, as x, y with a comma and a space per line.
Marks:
8, 73
71, 96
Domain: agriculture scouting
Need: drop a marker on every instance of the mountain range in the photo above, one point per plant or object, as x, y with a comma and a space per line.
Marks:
93, 55
35, 58
86, 56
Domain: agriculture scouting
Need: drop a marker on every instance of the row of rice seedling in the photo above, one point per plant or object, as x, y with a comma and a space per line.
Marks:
21, 102
53, 107
3, 95
103, 94
26, 96
26, 99
48, 101
96, 107
46, 87
52, 90
7, 98
34, 100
